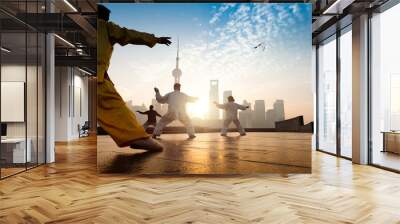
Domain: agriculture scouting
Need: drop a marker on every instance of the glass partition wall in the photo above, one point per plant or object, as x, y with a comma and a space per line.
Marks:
22, 88
334, 89
385, 89
334, 85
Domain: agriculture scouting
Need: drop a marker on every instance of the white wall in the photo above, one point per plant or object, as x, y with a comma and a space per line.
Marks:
33, 127
71, 102
16, 73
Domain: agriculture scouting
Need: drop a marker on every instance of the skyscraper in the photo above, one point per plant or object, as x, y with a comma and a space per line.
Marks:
270, 118
245, 117
279, 110
259, 114
177, 73
225, 99
213, 112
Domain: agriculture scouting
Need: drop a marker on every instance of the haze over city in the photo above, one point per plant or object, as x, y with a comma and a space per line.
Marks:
257, 51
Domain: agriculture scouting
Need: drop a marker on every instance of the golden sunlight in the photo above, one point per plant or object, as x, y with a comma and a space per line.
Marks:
198, 109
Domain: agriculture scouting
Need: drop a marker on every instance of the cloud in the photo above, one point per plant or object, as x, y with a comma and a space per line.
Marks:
227, 53
222, 9
295, 8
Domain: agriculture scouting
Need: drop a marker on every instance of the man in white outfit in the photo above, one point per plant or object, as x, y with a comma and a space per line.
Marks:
176, 101
231, 109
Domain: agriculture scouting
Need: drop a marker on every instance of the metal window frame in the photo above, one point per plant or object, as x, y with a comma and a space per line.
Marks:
339, 32
388, 5
44, 73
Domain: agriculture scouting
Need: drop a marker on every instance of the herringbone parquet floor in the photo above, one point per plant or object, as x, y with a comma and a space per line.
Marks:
71, 191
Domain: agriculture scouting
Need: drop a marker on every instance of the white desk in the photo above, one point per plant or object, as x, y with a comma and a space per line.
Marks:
19, 155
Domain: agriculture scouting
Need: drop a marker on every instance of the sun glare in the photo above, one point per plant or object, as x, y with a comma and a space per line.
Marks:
198, 109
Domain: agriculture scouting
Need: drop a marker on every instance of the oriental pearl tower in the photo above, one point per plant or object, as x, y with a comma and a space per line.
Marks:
177, 73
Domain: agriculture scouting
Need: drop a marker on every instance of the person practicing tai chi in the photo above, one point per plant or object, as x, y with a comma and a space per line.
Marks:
176, 101
151, 117
231, 109
112, 113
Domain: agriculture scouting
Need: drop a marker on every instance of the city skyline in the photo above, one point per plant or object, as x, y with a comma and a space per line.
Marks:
255, 117
218, 42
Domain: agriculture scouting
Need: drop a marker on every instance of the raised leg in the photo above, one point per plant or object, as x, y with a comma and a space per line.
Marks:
115, 117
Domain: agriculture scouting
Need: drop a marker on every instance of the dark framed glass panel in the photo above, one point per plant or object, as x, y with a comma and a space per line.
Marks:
385, 89
13, 103
22, 77
327, 95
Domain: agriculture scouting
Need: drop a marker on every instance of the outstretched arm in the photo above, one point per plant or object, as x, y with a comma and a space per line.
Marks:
125, 36
220, 106
140, 112
157, 114
241, 107
159, 98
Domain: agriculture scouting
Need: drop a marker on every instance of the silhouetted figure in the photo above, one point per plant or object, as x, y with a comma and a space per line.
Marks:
151, 117
176, 101
112, 113
231, 109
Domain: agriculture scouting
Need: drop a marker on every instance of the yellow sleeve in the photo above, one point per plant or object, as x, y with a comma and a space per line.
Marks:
125, 36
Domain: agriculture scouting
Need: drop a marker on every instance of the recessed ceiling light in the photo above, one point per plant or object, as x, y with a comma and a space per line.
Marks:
70, 5
5, 50
64, 40
84, 71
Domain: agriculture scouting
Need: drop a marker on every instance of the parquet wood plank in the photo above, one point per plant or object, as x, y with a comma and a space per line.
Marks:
71, 191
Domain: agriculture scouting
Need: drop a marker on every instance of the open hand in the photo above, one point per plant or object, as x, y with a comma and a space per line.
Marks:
164, 40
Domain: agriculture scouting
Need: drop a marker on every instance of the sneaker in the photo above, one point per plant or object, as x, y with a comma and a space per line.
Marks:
147, 144
242, 134
223, 135
192, 136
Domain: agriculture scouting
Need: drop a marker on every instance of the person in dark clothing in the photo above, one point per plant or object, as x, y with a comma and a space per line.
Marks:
151, 117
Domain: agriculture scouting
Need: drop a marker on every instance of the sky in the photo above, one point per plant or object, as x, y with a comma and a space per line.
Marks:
217, 42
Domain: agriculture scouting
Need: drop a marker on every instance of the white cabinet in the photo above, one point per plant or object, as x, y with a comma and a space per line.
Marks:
17, 147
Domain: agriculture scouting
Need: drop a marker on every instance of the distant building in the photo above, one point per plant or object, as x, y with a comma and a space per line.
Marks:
245, 116
270, 118
225, 99
259, 114
279, 110
213, 111
293, 124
